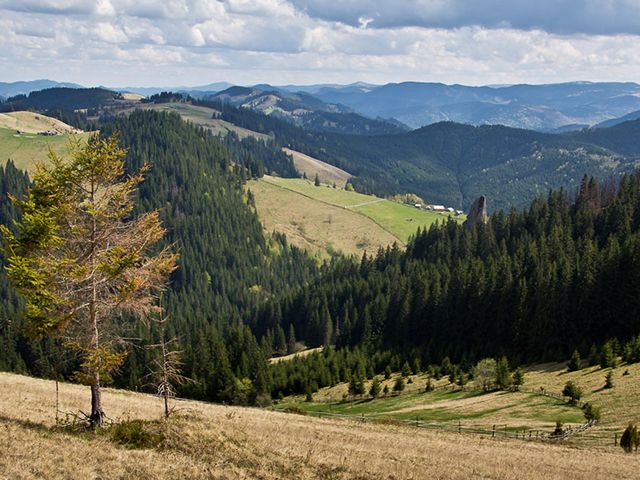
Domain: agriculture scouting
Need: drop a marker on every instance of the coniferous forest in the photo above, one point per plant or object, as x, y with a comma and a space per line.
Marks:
531, 284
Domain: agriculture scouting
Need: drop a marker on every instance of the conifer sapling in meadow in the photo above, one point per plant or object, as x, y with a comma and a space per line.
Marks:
79, 257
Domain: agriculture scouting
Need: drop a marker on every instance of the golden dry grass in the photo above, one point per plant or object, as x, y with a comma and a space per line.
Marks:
217, 442
303, 353
315, 226
312, 166
30, 122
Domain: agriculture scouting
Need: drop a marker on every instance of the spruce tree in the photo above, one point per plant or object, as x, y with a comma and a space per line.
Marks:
575, 362
79, 257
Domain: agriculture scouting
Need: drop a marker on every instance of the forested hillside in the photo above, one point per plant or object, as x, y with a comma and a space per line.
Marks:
532, 285
227, 266
453, 164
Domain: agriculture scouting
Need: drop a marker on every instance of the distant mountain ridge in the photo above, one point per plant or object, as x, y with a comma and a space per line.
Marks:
10, 89
536, 107
305, 110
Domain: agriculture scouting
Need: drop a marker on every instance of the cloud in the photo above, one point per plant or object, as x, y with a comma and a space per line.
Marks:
554, 16
298, 41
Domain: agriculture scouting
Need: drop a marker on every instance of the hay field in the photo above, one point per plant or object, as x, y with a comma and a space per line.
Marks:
317, 227
324, 219
310, 166
30, 122
218, 442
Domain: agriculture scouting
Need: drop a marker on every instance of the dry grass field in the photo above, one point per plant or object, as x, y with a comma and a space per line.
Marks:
217, 442
316, 227
312, 166
325, 219
525, 410
30, 122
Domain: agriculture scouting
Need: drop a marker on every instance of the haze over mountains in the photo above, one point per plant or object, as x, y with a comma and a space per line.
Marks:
550, 108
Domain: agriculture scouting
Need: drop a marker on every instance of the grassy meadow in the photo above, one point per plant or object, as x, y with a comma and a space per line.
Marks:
517, 411
311, 167
206, 441
27, 148
325, 219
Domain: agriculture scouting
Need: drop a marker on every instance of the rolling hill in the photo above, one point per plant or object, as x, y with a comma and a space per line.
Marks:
213, 441
538, 107
306, 111
27, 146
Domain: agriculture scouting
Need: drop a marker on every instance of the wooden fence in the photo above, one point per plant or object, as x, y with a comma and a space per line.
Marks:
496, 431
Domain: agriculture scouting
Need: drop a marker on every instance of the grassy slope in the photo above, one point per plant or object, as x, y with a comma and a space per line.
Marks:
201, 116
312, 166
315, 226
25, 149
324, 218
211, 441
518, 410
30, 122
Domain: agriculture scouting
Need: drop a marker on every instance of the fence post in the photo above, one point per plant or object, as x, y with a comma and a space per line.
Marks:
493, 432
615, 439
459, 427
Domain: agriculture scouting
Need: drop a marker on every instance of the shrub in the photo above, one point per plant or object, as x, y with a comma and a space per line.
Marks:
591, 412
406, 369
134, 434
573, 391
387, 373
429, 387
630, 439
374, 391
385, 390
517, 379
558, 430
608, 380
399, 385
484, 374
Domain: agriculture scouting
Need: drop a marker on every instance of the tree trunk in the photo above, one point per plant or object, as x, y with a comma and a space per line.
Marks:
97, 415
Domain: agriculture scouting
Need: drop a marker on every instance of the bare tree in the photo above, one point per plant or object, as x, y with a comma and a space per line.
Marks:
79, 256
165, 372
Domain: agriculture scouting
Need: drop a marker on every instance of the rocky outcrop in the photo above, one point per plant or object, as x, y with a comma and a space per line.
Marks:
477, 212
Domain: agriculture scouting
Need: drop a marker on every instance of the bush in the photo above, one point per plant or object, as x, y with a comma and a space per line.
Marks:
591, 412
399, 385
558, 430
406, 369
630, 439
484, 374
134, 434
429, 387
374, 391
608, 380
573, 391
517, 378
387, 373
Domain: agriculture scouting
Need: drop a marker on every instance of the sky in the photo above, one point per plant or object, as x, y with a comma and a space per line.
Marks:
195, 42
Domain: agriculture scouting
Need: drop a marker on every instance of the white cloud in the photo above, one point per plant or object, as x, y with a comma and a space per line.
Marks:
279, 41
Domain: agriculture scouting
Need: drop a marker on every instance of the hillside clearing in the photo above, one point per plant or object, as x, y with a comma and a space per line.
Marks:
317, 227
325, 219
525, 410
212, 441
30, 122
202, 116
311, 167
25, 149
